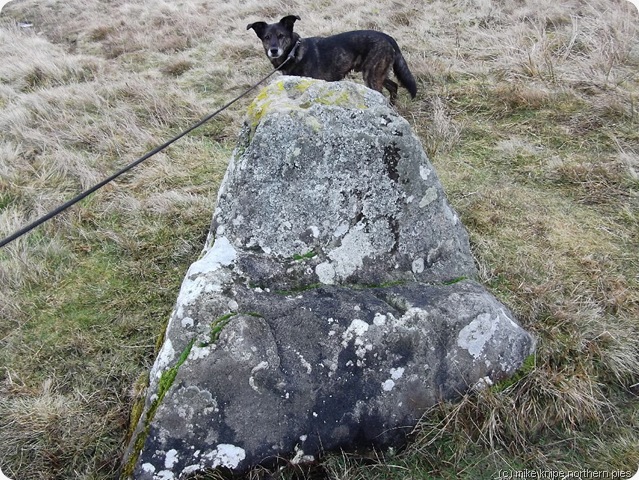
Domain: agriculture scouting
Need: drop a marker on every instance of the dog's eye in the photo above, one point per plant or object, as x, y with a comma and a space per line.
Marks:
280, 36
267, 37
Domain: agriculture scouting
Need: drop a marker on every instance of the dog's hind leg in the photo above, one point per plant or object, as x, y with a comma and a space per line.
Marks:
376, 66
392, 89
375, 75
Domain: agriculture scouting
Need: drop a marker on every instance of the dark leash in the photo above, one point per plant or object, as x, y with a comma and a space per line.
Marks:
158, 149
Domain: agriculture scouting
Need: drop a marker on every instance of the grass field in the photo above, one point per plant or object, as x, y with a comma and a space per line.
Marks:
527, 108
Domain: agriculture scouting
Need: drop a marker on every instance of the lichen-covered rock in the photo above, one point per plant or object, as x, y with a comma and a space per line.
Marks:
330, 171
334, 300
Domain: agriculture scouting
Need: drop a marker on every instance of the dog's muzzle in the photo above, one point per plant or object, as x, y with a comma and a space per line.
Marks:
274, 52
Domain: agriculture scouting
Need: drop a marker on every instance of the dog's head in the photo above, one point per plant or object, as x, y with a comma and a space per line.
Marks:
277, 38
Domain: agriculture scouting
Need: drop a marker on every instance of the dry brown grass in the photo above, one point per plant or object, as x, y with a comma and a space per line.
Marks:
528, 110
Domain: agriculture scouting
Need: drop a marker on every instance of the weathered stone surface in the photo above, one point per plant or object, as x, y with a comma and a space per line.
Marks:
348, 181
333, 302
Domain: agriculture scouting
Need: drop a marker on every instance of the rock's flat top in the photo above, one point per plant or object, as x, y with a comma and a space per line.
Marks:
334, 300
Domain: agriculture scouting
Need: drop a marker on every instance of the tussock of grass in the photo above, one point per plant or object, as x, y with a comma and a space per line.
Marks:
528, 110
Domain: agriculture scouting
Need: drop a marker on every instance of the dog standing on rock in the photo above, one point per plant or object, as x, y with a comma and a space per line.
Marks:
331, 58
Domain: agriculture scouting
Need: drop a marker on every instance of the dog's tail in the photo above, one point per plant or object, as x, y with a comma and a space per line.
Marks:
404, 75
402, 71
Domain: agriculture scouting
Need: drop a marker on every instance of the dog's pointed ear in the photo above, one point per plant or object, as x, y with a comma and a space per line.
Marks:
289, 20
259, 28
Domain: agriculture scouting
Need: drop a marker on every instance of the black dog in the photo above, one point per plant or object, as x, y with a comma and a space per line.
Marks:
332, 58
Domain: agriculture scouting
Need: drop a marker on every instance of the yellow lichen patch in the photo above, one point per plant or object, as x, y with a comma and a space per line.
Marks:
303, 85
259, 106
294, 94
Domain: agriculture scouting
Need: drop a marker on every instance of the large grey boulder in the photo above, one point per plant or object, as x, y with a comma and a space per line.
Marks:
333, 303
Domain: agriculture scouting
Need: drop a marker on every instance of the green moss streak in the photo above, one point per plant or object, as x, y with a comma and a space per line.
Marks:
218, 325
304, 256
530, 363
165, 383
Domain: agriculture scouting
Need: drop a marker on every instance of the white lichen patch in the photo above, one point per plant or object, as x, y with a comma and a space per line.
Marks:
474, 336
263, 365
429, 197
379, 319
191, 469
197, 281
253, 385
192, 288
388, 385
164, 475
186, 322
198, 352
418, 265
341, 230
355, 332
396, 374
361, 348
450, 214
164, 359
314, 231
347, 258
424, 172
260, 366
482, 384
326, 273
171, 458
305, 364
226, 455
221, 254
300, 457
148, 467
357, 328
